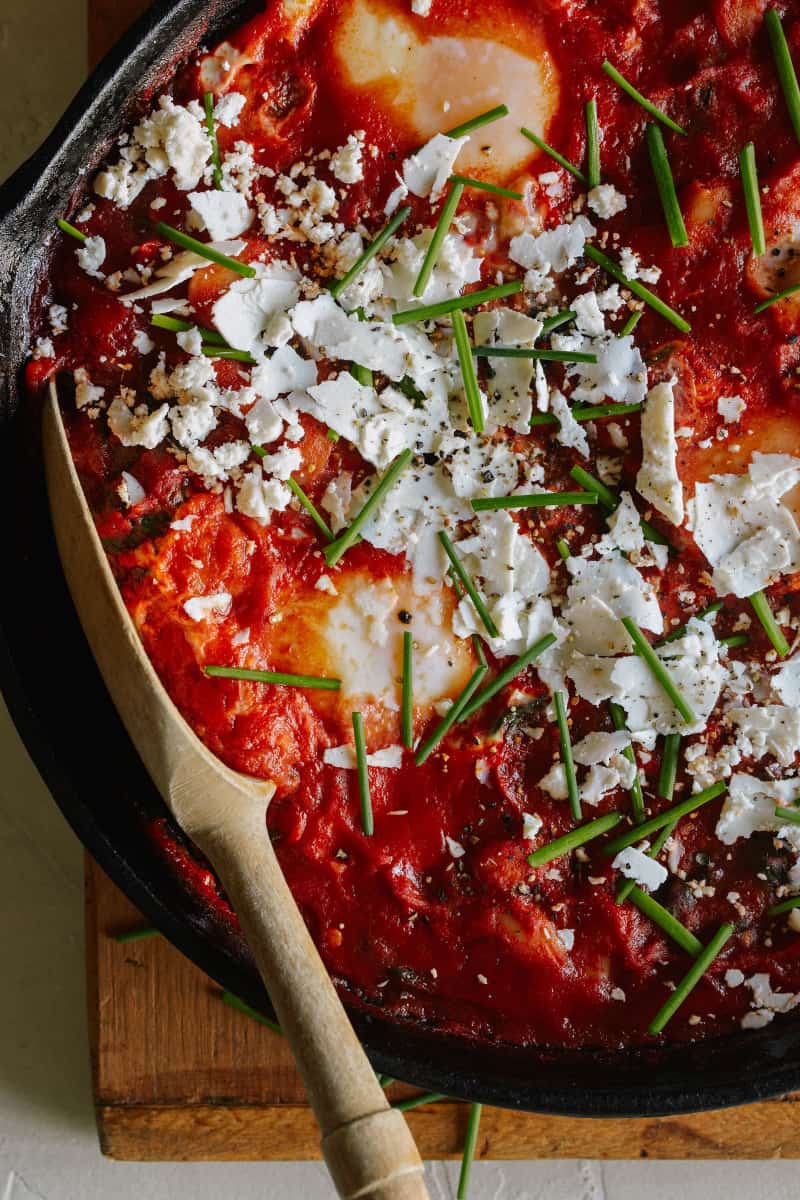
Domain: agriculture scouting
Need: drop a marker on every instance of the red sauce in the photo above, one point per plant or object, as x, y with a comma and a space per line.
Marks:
471, 943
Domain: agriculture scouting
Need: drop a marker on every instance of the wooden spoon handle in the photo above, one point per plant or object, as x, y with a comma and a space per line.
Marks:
367, 1145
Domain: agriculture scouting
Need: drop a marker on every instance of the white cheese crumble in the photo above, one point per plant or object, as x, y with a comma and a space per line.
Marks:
344, 757
201, 608
223, 214
645, 871
346, 163
426, 172
606, 201
731, 408
658, 480
532, 825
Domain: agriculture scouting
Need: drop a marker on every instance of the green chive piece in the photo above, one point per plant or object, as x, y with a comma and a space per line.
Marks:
65, 227
610, 502
772, 629
589, 412
752, 197
637, 799
792, 815
407, 717
484, 118
385, 1081
665, 182
563, 549
336, 549
682, 809
785, 67
277, 677
669, 766
682, 629
538, 355
540, 500
189, 243
467, 584
790, 291
137, 935
208, 102
417, 1101
365, 800
231, 355
240, 1006
332, 436
471, 1141
470, 379
735, 641
659, 671
784, 906
625, 889
477, 646
174, 325
631, 323
633, 285
452, 715
310, 508
567, 761
690, 979
662, 917
430, 312
571, 841
507, 674
549, 324
542, 145
483, 186
372, 249
362, 375
437, 241
592, 145
620, 80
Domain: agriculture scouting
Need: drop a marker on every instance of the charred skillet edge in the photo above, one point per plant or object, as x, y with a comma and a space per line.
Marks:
672, 1079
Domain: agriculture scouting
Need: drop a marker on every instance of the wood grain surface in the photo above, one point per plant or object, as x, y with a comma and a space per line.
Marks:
179, 1076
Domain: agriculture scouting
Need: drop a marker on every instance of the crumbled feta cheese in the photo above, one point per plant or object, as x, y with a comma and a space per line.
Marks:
553, 251
258, 497
137, 426
658, 480
344, 757
130, 491
223, 214
455, 848
645, 871
200, 608
606, 201
531, 826
769, 729
346, 163
566, 937
228, 109
243, 314
509, 386
786, 681
86, 394
426, 172
730, 408
91, 256
749, 808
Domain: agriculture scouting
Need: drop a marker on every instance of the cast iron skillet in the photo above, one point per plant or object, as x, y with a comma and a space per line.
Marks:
72, 732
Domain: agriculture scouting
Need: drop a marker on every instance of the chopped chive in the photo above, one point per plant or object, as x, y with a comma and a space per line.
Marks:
631, 323
637, 799
372, 249
540, 500
417, 1101
571, 841
610, 502
549, 324
554, 154
669, 766
772, 629
208, 102
784, 906
332, 436
682, 809
483, 186
790, 291
467, 584
785, 66
365, 800
343, 543
567, 761
589, 412
277, 677
633, 285
137, 935
681, 631
310, 508
735, 641
563, 549
452, 716
470, 379
657, 668
477, 646
484, 118
538, 355
690, 979
429, 312
200, 248
470, 1142
788, 814
665, 182
437, 241
507, 674
592, 145
65, 227
752, 197
240, 1006
620, 80
385, 1081
362, 375
231, 355
662, 917
174, 325
625, 889
407, 719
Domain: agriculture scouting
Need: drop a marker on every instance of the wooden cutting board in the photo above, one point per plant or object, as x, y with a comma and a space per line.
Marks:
180, 1076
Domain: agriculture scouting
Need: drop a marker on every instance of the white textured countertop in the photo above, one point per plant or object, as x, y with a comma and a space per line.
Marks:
48, 1147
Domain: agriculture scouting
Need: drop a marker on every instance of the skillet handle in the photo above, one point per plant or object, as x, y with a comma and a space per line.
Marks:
367, 1145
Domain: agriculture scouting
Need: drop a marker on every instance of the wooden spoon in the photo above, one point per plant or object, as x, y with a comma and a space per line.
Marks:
367, 1145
